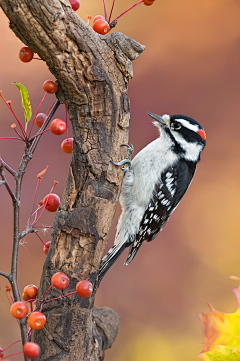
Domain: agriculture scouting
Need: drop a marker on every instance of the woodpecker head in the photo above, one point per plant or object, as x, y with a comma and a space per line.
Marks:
187, 135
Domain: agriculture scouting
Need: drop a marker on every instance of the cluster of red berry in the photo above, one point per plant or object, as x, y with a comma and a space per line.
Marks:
57, 126
102, 25
36, 319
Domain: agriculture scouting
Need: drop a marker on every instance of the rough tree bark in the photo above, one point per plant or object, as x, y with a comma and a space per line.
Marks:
93, 72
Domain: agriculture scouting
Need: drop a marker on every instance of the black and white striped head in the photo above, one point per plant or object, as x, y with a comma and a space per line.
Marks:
187, 135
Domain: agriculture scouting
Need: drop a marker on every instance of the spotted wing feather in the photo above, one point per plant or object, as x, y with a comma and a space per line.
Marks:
167, 194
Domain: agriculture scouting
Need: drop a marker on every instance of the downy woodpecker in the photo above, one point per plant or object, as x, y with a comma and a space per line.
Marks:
154, 184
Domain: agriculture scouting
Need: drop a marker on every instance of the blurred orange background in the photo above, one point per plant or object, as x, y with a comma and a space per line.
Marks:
190, 66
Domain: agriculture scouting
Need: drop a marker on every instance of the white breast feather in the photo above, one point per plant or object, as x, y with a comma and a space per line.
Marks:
139, 184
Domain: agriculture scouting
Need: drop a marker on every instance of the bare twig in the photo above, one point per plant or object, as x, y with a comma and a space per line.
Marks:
5, 182
17, 236
44, 126
9, 169
27, 231
6, 275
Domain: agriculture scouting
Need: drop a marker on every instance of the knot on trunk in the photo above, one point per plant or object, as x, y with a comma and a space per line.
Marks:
126, 50
106, 324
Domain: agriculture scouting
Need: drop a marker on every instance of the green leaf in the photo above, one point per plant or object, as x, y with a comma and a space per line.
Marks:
220, 353
25, 102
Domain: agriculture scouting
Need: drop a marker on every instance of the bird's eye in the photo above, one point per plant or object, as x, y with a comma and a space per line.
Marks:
176, 125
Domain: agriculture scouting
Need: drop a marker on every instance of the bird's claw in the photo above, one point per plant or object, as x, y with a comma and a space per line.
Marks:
125, 161
122, 162
130, 149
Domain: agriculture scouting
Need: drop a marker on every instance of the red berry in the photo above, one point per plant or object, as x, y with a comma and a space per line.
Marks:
30, 291
19, 309
26, 54
60, 280
67, 145
75, 4
101, 26
148, 2
31, 350
1, 352
39, 120
58, 126
25, 297
36, 320
52, 202
97, 17
50, 87
46, 247
84, 288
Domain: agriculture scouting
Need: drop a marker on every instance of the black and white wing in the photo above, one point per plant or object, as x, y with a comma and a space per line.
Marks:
167, 194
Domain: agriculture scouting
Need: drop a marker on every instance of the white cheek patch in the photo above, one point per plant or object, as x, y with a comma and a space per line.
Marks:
188, 125
192, 150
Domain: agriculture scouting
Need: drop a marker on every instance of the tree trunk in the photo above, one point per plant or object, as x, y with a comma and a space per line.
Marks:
92, 72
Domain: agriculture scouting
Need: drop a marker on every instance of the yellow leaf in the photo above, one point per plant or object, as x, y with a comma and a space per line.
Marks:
222, 334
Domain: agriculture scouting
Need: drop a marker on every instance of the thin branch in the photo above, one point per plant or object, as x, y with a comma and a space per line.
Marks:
37, 113
47, 121
27, 231
2, 174
29, 149
9, 169
6, 275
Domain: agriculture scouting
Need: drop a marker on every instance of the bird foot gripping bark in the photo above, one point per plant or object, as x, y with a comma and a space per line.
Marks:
126, 162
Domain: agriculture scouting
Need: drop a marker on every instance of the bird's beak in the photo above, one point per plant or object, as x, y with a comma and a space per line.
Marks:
164, 121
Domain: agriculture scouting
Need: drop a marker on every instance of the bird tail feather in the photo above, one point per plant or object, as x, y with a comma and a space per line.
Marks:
110, 258
132, 252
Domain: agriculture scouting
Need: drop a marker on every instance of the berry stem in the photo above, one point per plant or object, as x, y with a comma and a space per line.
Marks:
37, 112
89, 18
19, 123
44, 206
15, 130
111, 10
12, 138
41, 239
44, 227
34, 198
45, 124
31, 306
43, 301
32, 300
138, 3
11, 345
9, 298
30, 335
13, 354
37, 135
40, 207
59, 298
105, 10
